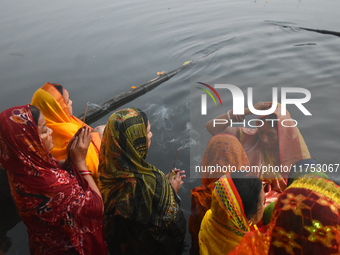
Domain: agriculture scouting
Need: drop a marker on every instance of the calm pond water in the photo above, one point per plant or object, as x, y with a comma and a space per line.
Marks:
98, 49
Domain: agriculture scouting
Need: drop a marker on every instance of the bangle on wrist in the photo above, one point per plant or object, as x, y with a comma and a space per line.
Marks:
85, 172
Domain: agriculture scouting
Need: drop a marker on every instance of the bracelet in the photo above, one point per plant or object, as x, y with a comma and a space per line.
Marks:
228, 113
85, 172
171, 175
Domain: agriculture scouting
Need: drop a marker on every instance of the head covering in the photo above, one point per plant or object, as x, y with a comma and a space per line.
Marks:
222, 150
225, 223
53, 106
61, 212
131, 187
292, 148
306, 220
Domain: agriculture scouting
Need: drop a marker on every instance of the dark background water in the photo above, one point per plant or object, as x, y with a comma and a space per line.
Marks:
98, 49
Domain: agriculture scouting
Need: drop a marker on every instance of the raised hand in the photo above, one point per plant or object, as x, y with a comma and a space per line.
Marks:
176, 177
78, 146
262, 105
100, 130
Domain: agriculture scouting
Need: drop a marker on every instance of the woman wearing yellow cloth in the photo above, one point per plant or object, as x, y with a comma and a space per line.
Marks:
223, 150
237, 203
54, 103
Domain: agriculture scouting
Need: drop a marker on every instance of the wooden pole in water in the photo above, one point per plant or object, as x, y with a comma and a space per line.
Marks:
113, 103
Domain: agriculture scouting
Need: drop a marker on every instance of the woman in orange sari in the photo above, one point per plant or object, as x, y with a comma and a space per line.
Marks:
237, 204
222, 150
54, 103
271, 145
306, 220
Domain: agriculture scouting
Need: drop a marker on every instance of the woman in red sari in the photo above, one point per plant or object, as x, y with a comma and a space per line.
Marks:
61, 207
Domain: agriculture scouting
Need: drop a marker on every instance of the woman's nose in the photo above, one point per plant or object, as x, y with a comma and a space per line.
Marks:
264, 139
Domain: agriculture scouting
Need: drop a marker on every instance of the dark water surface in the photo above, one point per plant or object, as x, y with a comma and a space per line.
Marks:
98, 49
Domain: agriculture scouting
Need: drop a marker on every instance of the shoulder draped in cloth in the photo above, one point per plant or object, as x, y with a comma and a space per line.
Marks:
141, 207
53, 106
225, 223
305, 220
62, 213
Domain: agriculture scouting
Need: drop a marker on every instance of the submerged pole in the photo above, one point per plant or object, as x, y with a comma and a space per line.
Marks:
113, 103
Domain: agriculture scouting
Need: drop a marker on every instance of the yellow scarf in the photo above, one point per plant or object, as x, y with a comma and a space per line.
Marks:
224, 225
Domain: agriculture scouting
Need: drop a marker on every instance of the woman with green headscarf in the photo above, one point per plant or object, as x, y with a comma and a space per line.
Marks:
142, 210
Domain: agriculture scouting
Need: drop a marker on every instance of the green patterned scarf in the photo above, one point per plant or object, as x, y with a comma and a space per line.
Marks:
130, 186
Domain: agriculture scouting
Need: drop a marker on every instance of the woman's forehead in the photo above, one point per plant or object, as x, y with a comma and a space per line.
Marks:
65, 94
268, 128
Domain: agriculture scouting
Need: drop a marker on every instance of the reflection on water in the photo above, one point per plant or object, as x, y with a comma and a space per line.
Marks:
99, 50
8, 214
8, 219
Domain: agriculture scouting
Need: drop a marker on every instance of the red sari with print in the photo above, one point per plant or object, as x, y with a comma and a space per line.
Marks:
62, 213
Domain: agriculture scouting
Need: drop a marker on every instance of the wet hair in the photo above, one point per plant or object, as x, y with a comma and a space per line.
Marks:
35, 114
271, 116
59, 87
249, 190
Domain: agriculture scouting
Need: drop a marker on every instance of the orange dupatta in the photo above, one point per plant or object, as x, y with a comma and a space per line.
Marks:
52, 105
224, 150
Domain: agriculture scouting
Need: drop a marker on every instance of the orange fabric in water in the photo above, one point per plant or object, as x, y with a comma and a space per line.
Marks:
53, 106
222, 150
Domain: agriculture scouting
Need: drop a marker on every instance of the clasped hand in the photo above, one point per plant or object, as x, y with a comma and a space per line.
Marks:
78, 146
